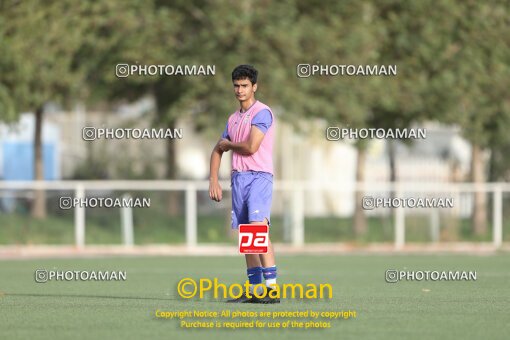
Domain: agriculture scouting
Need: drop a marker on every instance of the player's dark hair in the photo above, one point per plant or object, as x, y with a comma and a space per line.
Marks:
245, 71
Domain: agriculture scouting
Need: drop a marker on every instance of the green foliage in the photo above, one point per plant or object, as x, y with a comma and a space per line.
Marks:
453, 59
38, 45
64, 51
471, 74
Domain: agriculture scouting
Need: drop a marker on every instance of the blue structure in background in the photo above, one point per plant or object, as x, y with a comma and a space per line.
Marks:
18, 161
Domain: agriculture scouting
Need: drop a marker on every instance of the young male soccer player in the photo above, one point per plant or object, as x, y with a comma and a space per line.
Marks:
249, 134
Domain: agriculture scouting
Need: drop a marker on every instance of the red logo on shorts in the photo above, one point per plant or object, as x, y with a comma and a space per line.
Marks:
253, 238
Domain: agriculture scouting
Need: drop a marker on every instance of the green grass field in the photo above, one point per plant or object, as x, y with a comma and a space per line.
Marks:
404, 310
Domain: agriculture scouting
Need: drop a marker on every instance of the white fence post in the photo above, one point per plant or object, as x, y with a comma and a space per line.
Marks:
497, 217
191, 215
400, 224
298, 216
79, 217
126, 217
434, 225
400, 228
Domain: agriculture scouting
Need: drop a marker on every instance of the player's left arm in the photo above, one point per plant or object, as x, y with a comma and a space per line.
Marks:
246, 148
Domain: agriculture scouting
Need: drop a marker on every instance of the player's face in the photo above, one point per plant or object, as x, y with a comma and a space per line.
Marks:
244, 90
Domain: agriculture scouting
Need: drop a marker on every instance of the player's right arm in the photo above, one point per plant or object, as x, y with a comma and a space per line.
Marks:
215, 192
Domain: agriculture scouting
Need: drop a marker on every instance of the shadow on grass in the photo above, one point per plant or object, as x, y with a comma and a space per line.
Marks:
91, 296
219, 300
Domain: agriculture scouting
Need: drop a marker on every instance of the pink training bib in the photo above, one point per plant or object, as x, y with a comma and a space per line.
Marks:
239, 126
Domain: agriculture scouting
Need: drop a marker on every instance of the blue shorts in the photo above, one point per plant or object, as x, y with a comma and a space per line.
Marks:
252, 193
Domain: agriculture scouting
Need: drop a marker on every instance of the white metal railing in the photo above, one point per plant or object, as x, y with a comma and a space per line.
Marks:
298, 189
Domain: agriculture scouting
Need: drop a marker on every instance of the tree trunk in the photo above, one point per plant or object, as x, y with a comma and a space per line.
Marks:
173, 207
479, 217
393, 163
360, 221
39, 203
493, 176
451, 223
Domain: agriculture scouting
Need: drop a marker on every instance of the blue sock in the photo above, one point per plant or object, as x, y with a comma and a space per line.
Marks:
269, 275
254, 276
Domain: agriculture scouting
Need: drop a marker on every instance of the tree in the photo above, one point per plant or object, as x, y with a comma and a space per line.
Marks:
364, 33
226, 34
37, 54
471, 83
63, 51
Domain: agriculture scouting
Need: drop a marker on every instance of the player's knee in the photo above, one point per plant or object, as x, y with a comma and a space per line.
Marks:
265, 221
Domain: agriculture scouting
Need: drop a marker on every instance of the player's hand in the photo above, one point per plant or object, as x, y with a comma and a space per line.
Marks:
224, 145
215, 192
